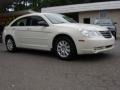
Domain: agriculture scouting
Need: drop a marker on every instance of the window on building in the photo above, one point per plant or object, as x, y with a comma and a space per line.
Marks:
103, 14
86, 20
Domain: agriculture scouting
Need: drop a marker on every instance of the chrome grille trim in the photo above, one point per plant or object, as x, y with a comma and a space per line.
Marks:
106, 34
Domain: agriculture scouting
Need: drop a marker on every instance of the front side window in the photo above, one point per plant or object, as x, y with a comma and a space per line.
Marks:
20, 22
36, 21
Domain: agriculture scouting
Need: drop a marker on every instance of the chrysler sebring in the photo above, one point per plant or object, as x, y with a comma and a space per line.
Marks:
57, 33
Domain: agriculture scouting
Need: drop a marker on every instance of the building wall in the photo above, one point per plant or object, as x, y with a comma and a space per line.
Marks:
113, 14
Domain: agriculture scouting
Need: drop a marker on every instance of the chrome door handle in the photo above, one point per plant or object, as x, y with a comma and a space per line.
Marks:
29, 29
14, 29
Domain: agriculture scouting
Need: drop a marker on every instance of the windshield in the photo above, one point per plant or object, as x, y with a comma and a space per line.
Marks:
59, 18
104, 22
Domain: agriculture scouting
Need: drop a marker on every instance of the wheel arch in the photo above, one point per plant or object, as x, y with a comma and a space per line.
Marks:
62, 35
8, 36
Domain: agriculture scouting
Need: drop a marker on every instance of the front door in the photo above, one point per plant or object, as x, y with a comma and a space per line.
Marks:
37, 34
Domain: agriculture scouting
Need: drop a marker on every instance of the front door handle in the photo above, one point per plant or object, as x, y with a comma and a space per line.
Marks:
14, 29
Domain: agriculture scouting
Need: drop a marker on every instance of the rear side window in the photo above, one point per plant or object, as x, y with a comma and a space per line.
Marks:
29, 21
21, 22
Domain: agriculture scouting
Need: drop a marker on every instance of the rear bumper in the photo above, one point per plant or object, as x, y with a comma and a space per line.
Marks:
92, 46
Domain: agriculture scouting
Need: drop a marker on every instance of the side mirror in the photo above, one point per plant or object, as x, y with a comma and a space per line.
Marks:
43, 23
115, 23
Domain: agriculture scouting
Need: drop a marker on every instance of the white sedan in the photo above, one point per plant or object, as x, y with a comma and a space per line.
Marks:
56, 32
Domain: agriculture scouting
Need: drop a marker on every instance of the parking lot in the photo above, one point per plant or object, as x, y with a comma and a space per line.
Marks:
38, 70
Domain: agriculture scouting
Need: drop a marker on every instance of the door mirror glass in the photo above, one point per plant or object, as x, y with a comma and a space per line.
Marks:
115, 23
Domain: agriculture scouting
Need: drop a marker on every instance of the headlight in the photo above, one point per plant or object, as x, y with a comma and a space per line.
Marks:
90, 33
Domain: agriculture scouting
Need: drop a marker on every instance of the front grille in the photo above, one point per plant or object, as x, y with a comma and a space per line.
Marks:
106, 34
109, 46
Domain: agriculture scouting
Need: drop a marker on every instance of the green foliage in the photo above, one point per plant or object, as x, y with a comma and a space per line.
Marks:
38, 4
2, 10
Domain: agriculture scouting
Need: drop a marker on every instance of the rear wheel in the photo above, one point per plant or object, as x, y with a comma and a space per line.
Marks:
64, 48
10, 44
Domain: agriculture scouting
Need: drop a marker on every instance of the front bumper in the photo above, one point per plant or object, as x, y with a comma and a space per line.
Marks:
91, 46
114, 34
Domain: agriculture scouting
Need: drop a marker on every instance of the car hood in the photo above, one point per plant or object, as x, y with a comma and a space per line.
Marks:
110, 27
81, 26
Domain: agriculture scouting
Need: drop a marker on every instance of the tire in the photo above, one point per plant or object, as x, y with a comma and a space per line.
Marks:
10, 44
64, 48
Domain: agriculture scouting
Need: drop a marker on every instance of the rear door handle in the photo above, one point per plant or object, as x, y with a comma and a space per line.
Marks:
29, 29
20, 29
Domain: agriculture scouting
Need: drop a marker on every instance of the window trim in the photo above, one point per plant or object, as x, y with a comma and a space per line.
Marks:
12, 25
36, 16
17, 19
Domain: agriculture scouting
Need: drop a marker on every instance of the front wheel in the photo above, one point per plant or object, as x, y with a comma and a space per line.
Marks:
10, 45
65, 48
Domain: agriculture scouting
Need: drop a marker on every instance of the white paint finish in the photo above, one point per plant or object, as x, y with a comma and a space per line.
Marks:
83, 7
32, 37
40, 37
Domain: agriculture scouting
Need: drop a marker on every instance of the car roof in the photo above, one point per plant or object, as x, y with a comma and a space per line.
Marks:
35, 13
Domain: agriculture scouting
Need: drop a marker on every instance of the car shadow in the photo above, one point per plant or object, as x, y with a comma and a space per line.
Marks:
92, 57
35, 52
81, 58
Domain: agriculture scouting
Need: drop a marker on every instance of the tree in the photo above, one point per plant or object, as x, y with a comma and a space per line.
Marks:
38, 4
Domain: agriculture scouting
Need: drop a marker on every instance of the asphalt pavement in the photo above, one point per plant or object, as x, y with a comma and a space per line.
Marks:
40, 70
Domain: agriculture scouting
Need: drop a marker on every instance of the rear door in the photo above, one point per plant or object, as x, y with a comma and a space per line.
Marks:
20, 29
